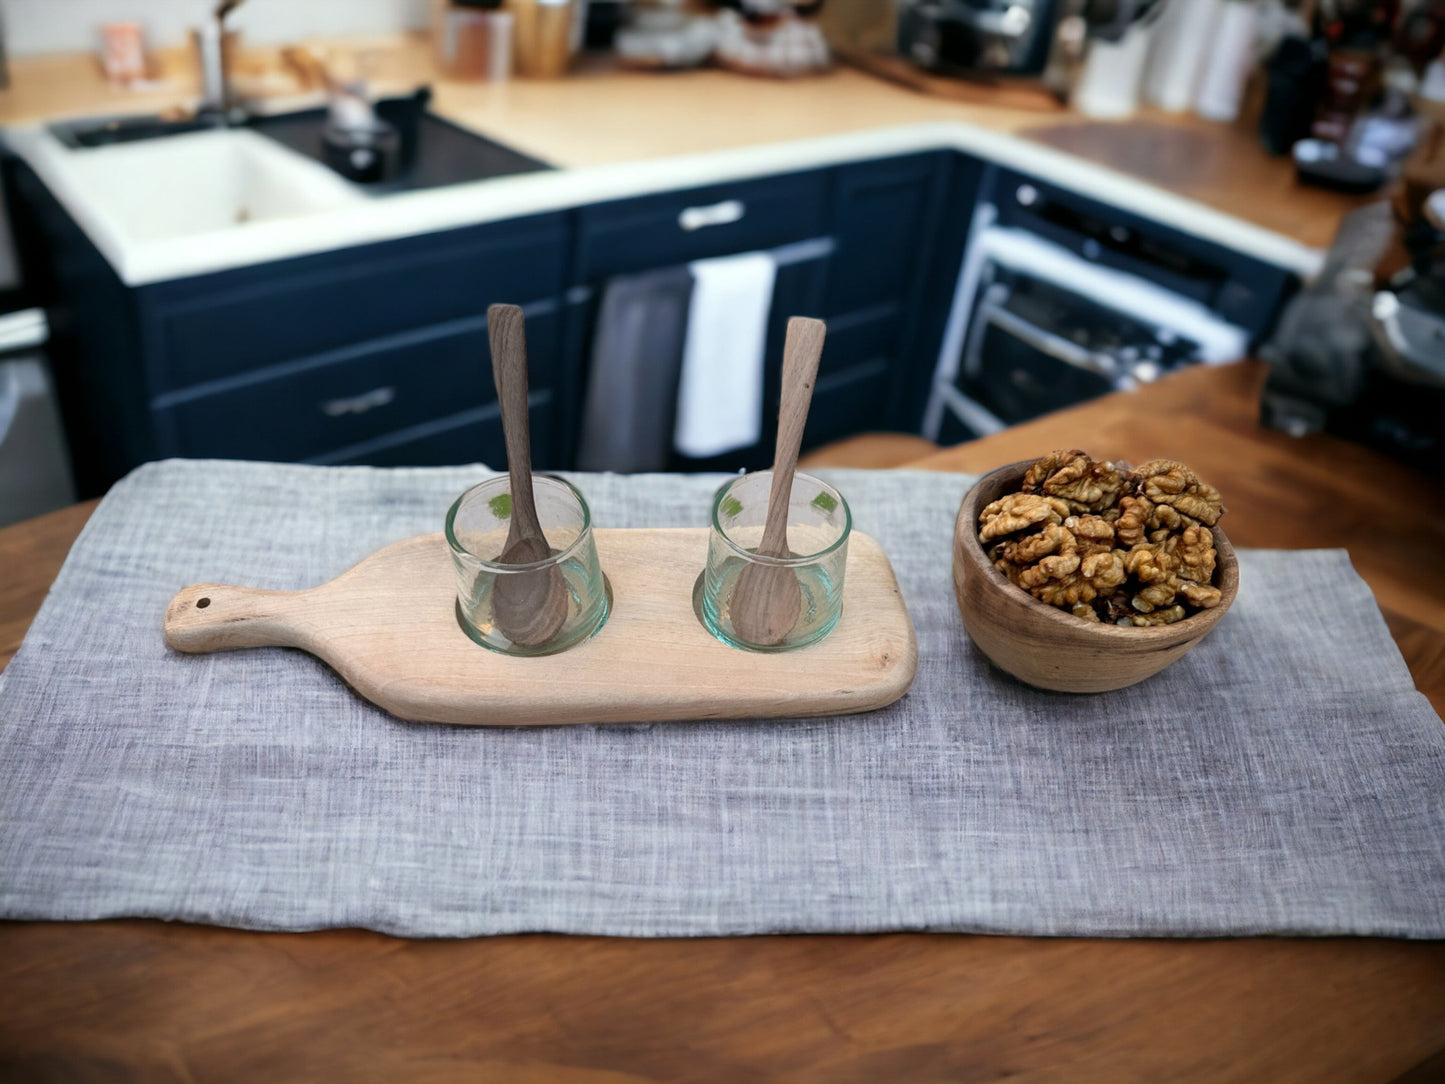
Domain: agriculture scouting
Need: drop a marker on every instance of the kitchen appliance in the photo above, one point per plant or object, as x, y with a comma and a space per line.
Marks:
1363, 361
992, 37
1009, 37
1055, 305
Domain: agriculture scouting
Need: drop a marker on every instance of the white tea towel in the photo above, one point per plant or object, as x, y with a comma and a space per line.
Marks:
720, 397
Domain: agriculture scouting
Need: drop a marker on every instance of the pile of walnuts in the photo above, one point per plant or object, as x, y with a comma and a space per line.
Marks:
1131, 547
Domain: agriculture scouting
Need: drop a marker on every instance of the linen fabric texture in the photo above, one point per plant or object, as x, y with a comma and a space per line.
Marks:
1283, 778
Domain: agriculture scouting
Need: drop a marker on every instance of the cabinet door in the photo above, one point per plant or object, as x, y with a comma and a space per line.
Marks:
356, 397
219, 326
882, 211
677, 227
653, 232
885, 223
474, 436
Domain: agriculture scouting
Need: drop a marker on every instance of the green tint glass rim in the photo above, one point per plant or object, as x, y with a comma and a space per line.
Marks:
493, 566
783, 562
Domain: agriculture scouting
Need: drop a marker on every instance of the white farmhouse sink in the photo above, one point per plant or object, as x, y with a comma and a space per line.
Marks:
201, 182
163, 208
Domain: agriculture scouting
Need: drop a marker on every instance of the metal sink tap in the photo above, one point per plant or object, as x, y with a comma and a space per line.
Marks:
217, 96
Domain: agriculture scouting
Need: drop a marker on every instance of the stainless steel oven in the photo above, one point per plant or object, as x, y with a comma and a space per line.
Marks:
1041, 320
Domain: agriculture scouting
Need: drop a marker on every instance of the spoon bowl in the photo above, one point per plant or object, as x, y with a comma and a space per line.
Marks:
766, 603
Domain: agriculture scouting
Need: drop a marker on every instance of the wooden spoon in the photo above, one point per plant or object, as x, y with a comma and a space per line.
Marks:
529, 607
766, 599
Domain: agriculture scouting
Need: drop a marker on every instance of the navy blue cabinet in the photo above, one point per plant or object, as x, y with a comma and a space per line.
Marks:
95, 342
371, 355
322, 406
774, 214
885, 217
875, 221
374, 354
378, 353
628, 235
205, 328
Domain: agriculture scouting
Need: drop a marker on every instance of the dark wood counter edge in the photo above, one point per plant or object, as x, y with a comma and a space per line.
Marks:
134, 998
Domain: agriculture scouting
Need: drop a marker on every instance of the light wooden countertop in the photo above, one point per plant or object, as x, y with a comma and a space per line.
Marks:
600, 116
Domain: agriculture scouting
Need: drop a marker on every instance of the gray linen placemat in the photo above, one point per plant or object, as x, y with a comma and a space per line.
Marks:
1285, 777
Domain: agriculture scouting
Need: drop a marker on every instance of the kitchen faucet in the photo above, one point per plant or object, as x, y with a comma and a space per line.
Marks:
215, 78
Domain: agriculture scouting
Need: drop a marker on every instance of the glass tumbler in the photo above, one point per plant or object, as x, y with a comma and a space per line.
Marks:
477, 526
819, 523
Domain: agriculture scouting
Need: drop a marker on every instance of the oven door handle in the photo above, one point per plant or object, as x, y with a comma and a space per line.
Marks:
1047, 342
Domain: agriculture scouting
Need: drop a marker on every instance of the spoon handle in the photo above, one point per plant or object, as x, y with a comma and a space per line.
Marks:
802, 349
508, 339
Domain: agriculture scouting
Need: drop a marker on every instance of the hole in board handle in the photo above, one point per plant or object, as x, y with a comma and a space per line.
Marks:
202, 603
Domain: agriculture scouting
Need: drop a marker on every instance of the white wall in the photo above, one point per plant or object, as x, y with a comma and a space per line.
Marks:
47, 26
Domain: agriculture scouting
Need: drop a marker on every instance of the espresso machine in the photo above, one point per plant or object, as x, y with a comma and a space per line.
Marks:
978, 37
1017, 38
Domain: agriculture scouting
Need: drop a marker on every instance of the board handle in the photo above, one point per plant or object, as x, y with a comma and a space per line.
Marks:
215, 617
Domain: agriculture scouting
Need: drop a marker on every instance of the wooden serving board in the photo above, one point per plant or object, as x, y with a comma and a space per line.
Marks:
388, 626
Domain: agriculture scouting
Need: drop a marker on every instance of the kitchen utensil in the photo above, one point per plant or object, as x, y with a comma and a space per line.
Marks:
766, 599
388, 627
362, 152
530, 607
543, 36
819, 524
1050, 648
474, 41
477, 528
355, 142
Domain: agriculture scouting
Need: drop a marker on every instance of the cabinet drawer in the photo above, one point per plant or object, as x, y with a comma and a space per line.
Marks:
372, 391
473, 437
867, 336
658, 231
883, 211
235, 322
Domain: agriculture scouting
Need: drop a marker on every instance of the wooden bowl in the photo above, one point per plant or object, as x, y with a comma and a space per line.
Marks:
1050, 648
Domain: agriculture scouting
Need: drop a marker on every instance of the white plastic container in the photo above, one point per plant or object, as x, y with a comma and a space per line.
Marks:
1221, 83
1113, 75
1181, 47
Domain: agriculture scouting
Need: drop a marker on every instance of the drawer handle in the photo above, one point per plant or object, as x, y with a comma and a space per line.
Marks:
358, 404
719, 214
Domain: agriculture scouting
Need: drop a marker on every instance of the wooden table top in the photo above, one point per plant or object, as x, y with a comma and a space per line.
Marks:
155, 1001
